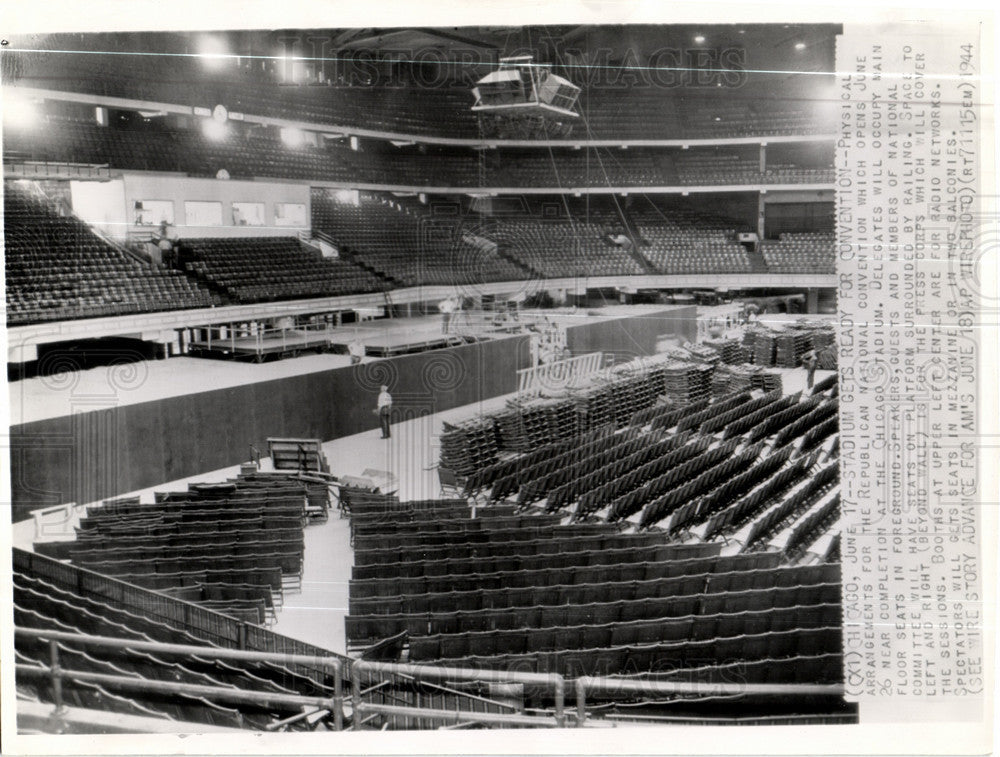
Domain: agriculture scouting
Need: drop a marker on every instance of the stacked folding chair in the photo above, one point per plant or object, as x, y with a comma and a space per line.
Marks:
827, 358
764, 347
702, 353
790, 346
655, 377
594, 407
767, 381
469, 446
511, 430
727, 379
730, 351
821, 337
687, 382
561, 419
623, 399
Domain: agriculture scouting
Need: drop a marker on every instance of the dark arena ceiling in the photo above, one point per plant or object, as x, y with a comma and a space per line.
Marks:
768, 58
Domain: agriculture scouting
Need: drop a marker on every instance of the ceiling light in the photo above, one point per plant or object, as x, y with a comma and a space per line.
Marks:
699, 39
213, 52
800, 45
19, 112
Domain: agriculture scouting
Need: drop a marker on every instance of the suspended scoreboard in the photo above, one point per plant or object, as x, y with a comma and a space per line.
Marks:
519, 86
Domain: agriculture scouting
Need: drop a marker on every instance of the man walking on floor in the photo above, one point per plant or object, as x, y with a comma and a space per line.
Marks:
384, 410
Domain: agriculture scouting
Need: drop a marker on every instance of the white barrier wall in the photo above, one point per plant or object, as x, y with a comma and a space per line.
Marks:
178, 190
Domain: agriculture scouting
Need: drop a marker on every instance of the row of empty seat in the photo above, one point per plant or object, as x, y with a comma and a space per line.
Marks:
234, 547
58, 269
811, 252
46, 603
686, 241
147, 145
606, 619
409, 246
272, 268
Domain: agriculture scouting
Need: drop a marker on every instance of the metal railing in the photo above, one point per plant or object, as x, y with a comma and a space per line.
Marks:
558, 375
587, 684
214, 627
58, 674
366, 711
25, 168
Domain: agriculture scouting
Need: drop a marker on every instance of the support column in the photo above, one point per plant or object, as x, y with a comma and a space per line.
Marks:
812, 300
761, 208
762, 166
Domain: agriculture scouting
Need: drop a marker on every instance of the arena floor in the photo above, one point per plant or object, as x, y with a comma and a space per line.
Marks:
316, 614
60, 394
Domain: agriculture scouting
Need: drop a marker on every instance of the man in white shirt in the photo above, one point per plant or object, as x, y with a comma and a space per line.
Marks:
447, 307
384, 410
356, 349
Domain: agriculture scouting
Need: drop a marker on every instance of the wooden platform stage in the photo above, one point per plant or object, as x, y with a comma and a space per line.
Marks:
284, 343
386, 337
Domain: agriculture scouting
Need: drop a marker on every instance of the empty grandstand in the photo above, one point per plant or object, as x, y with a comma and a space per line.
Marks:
605, 489
59, 269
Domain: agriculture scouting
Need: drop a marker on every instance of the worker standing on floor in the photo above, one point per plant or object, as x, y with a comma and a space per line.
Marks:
810, 360
447, 308
356, 349
384, 410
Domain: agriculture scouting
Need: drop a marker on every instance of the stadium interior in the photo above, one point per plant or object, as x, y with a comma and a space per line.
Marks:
594, 267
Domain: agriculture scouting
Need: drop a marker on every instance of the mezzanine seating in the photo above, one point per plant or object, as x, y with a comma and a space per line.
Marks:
58, 269
406, 245
811, 252
260, 269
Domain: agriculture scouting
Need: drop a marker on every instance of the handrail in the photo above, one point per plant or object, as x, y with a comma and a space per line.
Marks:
216, 627
57, 673
237, 696
460, 693
632, 686
419, 672
558, 375
123, 249
335, 704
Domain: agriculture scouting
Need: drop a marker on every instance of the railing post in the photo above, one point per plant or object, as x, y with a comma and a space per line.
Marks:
581, 701
338, 695
560, 685
56, 668
356, 695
